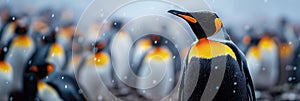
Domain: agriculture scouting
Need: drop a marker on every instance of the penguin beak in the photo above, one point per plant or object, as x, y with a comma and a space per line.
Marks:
218, 24
186, 16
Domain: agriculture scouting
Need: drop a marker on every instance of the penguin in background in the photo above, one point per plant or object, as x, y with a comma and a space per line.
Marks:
236, 84
4, 18
55, 52
6, 74
263, 62
8, 30
32, 76
95, 74
65, 36
119, 45
158, 63
21, 49
139, 50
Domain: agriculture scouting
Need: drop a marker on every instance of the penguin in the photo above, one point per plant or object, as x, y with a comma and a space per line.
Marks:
269, 63
65, 36
263, 60
95, 74
32, 82
206, 56
52, 51
159, 65
119, 40
139, 49
21, 49
8, 30
6, 74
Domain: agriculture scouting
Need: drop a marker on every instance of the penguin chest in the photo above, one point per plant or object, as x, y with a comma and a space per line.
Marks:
157, 74
213, 73
253, 57
95, 76
56, 55
47, 93
6, 76
269, 70
21, 50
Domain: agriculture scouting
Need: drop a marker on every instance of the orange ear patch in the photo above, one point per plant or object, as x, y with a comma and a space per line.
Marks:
50, 69
188, 18
218, 24
145, 43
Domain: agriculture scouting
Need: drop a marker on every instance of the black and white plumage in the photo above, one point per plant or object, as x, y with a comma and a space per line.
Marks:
205, 56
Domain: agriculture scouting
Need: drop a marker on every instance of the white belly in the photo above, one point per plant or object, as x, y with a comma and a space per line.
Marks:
160, 78
18, 58
95, 81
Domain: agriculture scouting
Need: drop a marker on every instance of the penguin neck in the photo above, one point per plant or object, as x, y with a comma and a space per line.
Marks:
198, 31
202, 40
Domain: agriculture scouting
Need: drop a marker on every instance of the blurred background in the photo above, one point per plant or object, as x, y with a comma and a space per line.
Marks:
67, 37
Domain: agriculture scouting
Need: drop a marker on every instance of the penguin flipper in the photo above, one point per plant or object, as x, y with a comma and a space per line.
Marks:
244, 67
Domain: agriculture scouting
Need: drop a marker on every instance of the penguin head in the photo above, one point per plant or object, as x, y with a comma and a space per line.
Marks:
3, 52
156, 40
21, 30
204, 23
42, 70
50, 38
117, 24
99, 46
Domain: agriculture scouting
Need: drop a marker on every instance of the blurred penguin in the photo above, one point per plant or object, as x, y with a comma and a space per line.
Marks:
21, 49
6, 74
159, 64
119, 44
95, 74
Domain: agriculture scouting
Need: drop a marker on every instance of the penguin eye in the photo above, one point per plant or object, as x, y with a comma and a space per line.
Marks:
34, 68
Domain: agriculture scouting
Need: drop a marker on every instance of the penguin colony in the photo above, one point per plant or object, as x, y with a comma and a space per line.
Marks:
39, 60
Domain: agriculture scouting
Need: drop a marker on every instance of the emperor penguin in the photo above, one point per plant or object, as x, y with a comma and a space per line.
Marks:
208, 60
139, 50
21, 49
6, 74
158, 64
119, 46
8, 30
95, 75
32, 76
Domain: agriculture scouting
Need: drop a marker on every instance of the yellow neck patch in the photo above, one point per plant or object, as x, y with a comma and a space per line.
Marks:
23, 41
254, 51
5, 67
266, 42
41, 85
159, 53
208, 49
285, 50
57, 49
99, 59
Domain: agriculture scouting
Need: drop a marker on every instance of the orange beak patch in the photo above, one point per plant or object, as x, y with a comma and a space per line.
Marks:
188, 18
